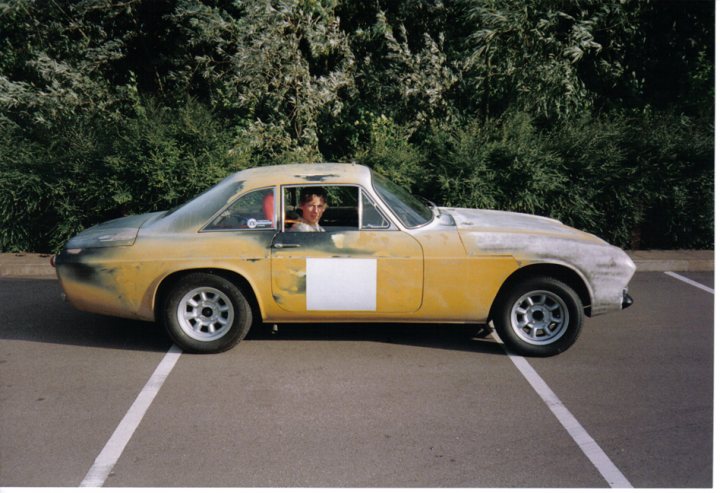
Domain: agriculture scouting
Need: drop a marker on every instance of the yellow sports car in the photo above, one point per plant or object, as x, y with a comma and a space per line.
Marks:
341, 243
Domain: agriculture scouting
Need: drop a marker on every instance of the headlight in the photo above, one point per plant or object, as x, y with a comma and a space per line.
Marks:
103, 237
119, 238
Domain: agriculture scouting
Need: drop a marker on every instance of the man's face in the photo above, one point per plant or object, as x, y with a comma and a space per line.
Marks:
313, 210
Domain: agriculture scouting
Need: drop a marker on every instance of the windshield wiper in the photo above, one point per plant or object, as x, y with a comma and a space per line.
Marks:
433, 206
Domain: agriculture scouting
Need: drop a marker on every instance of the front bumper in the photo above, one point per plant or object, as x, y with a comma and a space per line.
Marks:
627, 299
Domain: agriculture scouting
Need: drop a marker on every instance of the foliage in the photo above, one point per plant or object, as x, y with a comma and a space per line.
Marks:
505, 164
390, 153
644, 181
596, 112
90, 171
532, 49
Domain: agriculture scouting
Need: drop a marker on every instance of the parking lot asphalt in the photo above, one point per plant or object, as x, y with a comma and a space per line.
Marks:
360, 405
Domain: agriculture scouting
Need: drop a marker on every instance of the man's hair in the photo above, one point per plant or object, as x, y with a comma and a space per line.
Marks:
307, 194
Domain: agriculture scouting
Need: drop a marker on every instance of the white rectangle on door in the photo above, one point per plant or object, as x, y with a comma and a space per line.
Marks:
344, 284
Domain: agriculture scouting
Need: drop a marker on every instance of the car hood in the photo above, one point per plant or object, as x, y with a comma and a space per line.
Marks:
117, 232
480, 220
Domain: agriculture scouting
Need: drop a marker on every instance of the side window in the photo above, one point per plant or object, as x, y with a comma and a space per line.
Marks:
339, 208
372, 218
252, 211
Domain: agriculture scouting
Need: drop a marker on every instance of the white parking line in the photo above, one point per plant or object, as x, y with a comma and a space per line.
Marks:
582, 438
104, 463
690, 282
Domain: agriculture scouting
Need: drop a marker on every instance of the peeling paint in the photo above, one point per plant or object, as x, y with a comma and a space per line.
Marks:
606, 269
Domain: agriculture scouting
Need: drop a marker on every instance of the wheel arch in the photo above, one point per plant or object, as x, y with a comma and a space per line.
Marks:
237, 279
560, 272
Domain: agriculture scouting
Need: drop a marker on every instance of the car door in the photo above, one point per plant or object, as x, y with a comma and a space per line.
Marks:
360, 264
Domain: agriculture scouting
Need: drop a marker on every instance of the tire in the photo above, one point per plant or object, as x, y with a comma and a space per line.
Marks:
539, 317
206, 313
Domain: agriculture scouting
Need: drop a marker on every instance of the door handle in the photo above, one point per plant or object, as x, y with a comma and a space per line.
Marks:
286, 245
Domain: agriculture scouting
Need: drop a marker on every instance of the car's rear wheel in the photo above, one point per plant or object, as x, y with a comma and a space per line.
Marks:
206, 313
539, 317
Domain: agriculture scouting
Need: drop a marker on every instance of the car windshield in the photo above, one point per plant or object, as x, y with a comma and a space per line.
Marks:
411, 211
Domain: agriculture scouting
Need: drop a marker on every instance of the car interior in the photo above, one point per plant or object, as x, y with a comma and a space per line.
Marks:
341, 213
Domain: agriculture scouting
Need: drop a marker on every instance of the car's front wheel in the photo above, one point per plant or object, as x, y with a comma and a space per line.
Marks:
539, 317
206, 313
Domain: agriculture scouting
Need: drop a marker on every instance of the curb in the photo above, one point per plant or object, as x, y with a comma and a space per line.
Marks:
37, 266
673, 260
26, 265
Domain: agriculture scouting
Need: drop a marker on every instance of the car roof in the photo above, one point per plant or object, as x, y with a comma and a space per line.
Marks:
288, 174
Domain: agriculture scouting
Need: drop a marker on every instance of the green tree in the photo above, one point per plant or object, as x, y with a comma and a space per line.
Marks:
559, 58
562, 107
281, 65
